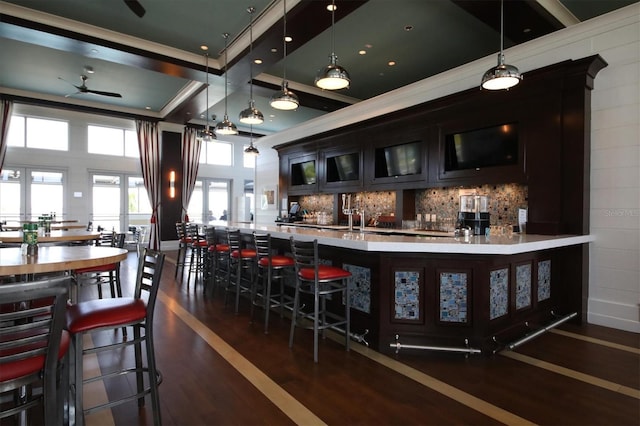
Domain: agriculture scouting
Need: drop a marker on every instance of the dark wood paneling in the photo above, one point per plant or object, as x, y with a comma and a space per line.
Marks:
171, 209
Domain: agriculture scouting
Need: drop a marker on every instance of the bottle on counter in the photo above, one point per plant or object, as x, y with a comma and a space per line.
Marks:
30, 239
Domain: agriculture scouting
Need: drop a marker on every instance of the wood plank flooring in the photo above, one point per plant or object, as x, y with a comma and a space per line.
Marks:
220, 369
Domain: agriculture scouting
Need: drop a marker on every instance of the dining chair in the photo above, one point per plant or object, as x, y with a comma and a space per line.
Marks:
319, 281
102, 274
33, 346
272, 268
108, 314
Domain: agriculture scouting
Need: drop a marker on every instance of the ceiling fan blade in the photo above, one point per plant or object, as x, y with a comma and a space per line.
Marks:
98, 92
136, 7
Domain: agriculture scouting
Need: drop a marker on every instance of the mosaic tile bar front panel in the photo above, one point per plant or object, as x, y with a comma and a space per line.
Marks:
454, 293
544, 280
359, 287
407, 295
498, 293
523, 286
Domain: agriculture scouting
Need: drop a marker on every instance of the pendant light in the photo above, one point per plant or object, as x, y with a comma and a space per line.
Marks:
333, 76
502, 76
251, 149
207, 134
226, 127
285, 99
251, 115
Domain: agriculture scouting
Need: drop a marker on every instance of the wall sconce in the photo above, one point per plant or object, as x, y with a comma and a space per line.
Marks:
172, 184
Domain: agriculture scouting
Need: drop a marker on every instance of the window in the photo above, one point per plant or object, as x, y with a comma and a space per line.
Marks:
139, 210
249, 160
216, 152
26, 194
38, 133
214, 200
112, 141
10, 195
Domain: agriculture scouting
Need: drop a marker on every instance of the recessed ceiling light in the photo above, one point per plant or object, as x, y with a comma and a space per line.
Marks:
526, 30
332, 7
147, 107
362, 52
257, 61
204, 47
391, 63
408, 27
288, 39
274, 50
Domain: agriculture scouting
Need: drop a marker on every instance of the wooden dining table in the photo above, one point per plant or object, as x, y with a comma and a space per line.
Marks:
57, 258
56, 226
55, 236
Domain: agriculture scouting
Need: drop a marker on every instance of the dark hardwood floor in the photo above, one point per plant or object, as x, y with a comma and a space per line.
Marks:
220, 369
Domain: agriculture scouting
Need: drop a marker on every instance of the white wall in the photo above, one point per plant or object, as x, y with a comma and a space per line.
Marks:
614, 283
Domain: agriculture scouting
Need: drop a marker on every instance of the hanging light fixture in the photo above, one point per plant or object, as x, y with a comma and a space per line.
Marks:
251, 115
333, 76
226, 127
251, 149
207, 134
285, 99
502, 76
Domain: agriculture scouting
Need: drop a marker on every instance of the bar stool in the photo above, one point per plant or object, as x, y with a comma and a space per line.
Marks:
31, 331
183, 245
197, 246
217, 255
320, 281
241, 262
107, 314
271, 268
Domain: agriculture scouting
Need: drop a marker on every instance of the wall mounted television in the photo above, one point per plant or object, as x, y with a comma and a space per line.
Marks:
486, 147
303, 173
398, 160
342, 168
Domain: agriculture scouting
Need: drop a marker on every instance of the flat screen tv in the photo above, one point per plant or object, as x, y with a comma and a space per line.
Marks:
303, 173
398, 160
343, 168
487, 147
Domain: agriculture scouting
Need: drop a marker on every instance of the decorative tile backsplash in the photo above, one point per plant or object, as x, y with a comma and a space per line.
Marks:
504, 202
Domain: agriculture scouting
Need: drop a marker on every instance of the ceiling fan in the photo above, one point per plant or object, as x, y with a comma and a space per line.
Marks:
84, 89
135, 7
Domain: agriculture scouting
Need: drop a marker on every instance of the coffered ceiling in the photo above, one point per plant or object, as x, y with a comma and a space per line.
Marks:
155, 62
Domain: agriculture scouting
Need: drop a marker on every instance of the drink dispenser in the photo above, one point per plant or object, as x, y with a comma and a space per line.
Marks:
474, 213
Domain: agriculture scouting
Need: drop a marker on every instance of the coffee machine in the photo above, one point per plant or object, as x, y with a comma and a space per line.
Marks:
474, 213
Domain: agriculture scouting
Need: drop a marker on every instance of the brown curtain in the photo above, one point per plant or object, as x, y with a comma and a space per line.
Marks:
149, 144
191, 145
6, 107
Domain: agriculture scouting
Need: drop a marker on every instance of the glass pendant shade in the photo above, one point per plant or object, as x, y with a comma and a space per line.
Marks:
207, 134
226, 127
251, 150
333, 76
285, 99
251, 115
501, 77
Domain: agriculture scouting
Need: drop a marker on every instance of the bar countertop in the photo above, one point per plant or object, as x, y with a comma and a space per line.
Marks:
406, 241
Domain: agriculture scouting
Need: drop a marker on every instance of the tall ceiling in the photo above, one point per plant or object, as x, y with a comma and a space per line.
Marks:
156, 62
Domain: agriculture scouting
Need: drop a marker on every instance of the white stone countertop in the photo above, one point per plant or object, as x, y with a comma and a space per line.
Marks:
387, 240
